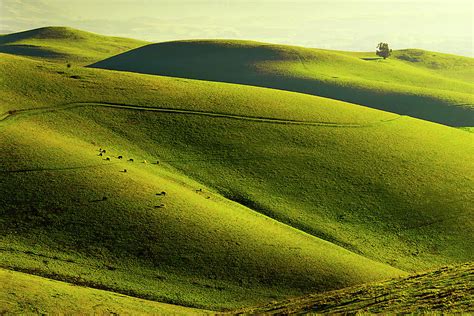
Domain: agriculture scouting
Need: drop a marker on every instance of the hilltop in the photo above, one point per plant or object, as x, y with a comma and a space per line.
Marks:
427, 85
65, 45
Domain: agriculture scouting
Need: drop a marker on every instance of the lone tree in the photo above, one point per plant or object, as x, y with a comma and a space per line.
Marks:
383, 50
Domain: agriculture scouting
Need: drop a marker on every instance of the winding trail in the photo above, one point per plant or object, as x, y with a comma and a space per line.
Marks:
33, 111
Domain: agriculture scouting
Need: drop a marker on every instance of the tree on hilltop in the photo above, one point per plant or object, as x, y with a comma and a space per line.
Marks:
383, 50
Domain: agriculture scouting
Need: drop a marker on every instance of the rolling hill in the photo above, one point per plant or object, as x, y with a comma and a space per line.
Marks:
65, 45
427, 85
236, 195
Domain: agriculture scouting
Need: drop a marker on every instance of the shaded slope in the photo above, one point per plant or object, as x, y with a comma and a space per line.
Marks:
63, 44
389, 85
23, 293
445, 290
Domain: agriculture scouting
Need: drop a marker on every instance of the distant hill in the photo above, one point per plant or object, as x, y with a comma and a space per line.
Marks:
64, 44
427, 85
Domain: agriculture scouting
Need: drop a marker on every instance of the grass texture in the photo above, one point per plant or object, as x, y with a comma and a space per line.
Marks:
23, 293
444, 290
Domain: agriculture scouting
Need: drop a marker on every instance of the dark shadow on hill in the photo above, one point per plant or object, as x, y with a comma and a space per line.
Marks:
238, 63
55, 169
245, 200
30, 51
371, 58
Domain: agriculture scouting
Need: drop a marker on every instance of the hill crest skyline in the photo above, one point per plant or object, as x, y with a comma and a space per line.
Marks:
340, 25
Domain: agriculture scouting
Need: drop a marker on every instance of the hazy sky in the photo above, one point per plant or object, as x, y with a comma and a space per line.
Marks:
445, 26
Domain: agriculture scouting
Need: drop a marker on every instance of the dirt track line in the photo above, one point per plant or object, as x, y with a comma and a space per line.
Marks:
105, 164
189, 112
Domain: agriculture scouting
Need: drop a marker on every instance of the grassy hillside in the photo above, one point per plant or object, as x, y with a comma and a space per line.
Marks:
431, 86
196, 251
65, 45
269, 194
387, 174
445, 290
27, 294
451, 66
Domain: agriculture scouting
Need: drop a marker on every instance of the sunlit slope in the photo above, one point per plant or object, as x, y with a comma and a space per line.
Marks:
447, 65
24, 293
64, 44
435, 92
444, 290
456, 67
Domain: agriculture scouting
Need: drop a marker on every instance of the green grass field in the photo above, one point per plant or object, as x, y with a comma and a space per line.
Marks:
270, 194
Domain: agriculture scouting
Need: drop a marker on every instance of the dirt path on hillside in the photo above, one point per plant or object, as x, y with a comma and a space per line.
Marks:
34, 111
